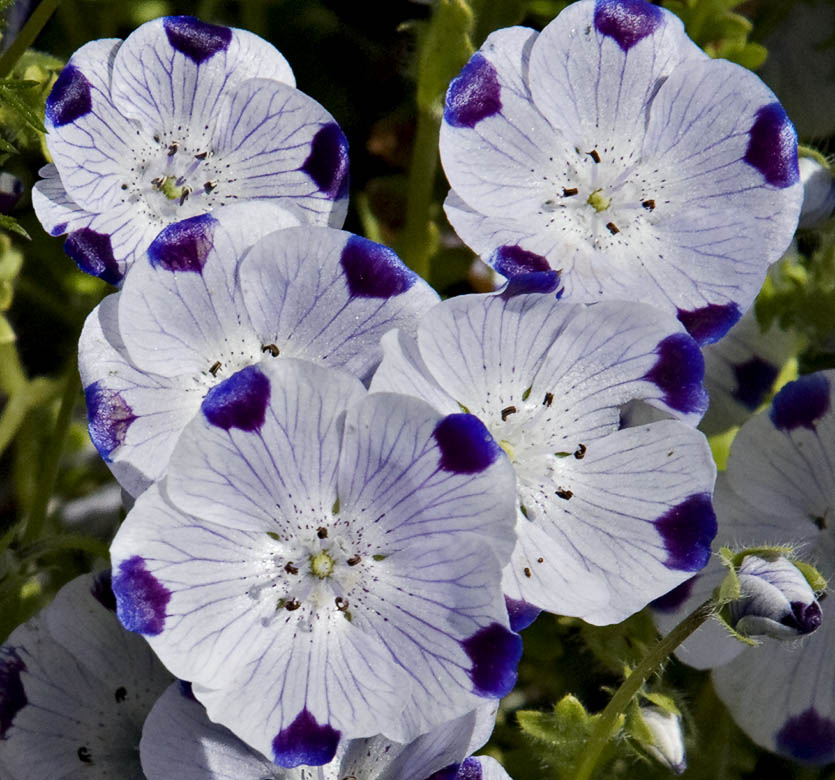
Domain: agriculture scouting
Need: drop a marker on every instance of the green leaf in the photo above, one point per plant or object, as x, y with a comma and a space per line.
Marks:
11, 224
622, 644
10, 90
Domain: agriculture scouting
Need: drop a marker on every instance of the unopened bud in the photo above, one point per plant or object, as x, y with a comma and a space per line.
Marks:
667, 744
775, 600
818, 192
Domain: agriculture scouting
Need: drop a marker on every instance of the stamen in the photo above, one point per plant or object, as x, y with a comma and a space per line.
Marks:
540, 560
215, 368
290, 569
567, 192
649, 205
184, 195
201, 155
341, 604
353, 560
84, 755
612, 228
549, 399
158, 182
527, 572
209, 186
322, 532
594, 155
566, 494
271, 348
292, 604
172, 149
581, 452
507, 411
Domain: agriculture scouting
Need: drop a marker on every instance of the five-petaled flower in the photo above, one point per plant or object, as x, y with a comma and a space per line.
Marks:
610, 147
179, 119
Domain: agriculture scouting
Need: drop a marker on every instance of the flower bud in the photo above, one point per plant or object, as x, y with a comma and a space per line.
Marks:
667, 744
818, 192
775, 600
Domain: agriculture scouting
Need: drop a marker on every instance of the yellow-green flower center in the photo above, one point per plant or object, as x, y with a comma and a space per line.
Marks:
599, 201
508, 448
321, 564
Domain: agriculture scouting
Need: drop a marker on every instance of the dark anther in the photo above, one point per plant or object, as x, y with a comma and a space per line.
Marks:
156, 138
290, 569
612, 228
121, 694
84, 754
649, 205
157, 183
292, 604
201, 155
172, 149
566, 494
354, 560
580, 452
527, 571
540, 560
507, 411
271, 348
209, 186
594, 155
215, 368
549, 399
567, 192
341, 604
124, 186
184, 196
322, 532
820, 521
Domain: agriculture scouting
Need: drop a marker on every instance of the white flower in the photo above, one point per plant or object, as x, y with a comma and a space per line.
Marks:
610, 147
608, 517
323, 564
220, 292
179, 119
779, 490
668, 740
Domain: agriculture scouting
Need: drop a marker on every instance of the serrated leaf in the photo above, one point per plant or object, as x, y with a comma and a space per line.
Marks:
5, 146
12, 225
11, 99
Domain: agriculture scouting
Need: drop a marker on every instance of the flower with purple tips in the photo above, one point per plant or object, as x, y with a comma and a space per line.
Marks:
181, 118
608, 517
322, 564
611, 147
779, 489
220, 293
75, 688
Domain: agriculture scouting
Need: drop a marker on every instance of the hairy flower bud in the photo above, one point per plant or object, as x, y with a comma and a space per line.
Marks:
667, 737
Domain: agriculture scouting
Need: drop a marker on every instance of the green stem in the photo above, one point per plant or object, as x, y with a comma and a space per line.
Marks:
27, 397
26, 37
12, 376
54, 449
632, 684
52, 544
415, 243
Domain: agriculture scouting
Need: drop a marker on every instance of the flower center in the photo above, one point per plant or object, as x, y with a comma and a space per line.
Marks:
599, 201
322, 564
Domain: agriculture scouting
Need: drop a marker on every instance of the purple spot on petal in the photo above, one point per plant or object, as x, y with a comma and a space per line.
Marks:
327, 163
711, 322
805, 618
12, 696
140, 597
69, 98
102, 590
801, 403
474, 94
239, 402
470, 769
59, 229
511, 260
93, 254
304, 741
808, 737
754, 379
184, 246
108, 418
627, 21
466, 445
373, 270
198, 40
449, 772
687, 530
679, 372
772, 146
521, 613
494, 651
673, 599
536, 282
